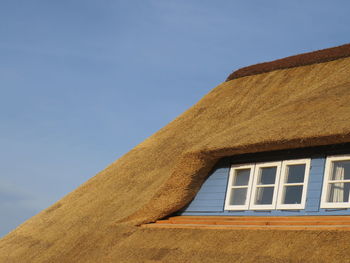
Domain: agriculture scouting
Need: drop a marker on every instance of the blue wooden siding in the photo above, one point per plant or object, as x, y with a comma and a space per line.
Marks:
315, 185
210, 199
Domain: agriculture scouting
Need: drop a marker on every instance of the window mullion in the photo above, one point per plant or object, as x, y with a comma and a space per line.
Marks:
293, 184
338, 181
266, 185
239, 186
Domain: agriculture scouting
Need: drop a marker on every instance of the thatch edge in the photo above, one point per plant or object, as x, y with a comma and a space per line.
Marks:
309, 58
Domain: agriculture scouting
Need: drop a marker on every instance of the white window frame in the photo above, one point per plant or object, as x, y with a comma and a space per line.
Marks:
326, 184
271, 206
230, 187
282, 184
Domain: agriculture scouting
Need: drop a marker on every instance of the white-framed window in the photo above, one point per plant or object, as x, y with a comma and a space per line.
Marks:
265, 186
268, 186
293, 184
239, 187
336, 182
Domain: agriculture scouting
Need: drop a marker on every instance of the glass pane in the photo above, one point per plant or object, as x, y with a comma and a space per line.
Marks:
292, 194
241, 177
341, 170
267, 175
264, 195
295, 173
338, 192
238, 196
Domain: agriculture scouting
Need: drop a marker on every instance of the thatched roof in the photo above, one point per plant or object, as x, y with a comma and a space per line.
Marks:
294, 107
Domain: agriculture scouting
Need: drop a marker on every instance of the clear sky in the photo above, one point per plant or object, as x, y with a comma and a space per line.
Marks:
82, 82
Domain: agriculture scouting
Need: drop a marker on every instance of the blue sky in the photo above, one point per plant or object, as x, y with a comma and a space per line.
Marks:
82, 82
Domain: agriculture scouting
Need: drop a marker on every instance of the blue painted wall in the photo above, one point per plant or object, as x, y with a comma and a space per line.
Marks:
211, 196
210, 199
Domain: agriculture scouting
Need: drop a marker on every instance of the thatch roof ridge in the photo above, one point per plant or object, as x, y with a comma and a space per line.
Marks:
304, 59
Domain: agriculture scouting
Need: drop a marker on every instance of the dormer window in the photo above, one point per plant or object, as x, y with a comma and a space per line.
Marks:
266, 178
293, 184
336, 183
268, 186
239, 187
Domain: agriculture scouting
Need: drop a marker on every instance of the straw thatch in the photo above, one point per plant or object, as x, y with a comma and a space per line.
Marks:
288, 108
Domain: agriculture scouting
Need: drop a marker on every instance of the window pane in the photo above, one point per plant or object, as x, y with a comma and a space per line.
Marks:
267, 175
241, 177
295, 173
341, 170
264, 195
292, 194
238, 196
338, 192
